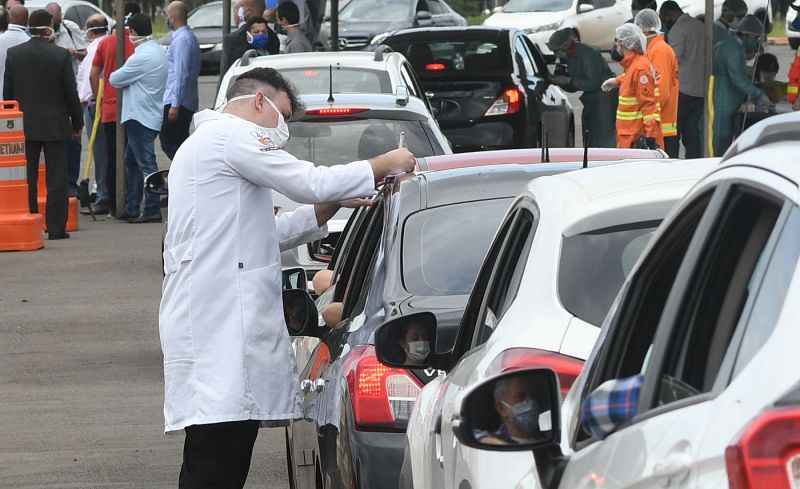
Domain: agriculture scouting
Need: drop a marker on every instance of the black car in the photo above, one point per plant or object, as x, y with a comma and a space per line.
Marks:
206, 23
360, 21
488, 87
418, 248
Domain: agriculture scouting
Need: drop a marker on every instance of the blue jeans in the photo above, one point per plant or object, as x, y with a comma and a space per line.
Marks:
140, 161
100, 156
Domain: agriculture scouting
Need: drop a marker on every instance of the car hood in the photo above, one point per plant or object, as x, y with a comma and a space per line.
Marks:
523, 20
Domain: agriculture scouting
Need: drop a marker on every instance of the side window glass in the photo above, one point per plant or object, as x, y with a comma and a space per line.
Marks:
347, 261
603, 3
436, 7
412, 89
508, 273
768, 304
521, 52
536, 55
720, 287
360, 279
73, 15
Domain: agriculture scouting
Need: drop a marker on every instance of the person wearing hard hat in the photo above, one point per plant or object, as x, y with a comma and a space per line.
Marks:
732, 86
586, 72
638, 112
665, 63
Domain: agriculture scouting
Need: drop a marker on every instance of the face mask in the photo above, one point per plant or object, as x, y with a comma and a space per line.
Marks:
279, 135
616, 54
136, 40
259, 41
98, 30
170, 25
418, 351
525, 415
750, 44
46, 33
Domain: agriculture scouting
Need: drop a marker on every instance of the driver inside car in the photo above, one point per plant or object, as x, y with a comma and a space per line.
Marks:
518, 412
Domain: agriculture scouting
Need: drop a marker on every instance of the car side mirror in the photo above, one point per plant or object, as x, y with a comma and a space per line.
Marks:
514, 411
408, 341
295, 278
300, 313
585, 8
424, 18
156, 183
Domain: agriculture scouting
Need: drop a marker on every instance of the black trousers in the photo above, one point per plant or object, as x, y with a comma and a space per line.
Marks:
55, 157
691, 115
217, 456
173, 134
672, 146
110, 132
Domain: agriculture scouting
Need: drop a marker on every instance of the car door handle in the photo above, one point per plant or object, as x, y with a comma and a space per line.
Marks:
306, 385
319, 385
437, 433
674, 469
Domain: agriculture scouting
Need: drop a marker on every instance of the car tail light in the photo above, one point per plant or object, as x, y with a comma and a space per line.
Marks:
509, 102
435, 67
567, 368
768, 452
382, 397
335, 111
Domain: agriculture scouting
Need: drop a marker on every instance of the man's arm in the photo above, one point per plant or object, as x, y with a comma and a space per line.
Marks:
129, 73
71, 98
94, 80
8, 84
180, 62
677, 39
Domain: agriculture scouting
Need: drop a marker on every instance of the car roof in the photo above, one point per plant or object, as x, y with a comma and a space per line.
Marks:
349, 59
533, 155
592, 198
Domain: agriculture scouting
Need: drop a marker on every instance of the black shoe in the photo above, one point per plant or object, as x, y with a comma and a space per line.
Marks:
101, 210
142, 219
124, 216
53, 236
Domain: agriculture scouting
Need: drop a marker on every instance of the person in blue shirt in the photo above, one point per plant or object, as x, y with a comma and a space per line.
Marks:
142, 80
183, 70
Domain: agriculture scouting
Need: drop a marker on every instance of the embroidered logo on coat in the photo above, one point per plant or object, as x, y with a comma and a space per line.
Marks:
264, 140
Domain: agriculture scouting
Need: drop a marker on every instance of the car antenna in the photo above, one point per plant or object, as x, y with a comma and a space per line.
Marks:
585, 148
541, 143
547, 147
330, 82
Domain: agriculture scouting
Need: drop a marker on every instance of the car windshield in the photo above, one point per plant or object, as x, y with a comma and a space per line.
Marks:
537, 6
376, 10
594, 265
443, 247
336, 142
208, 16
345, 80
438, 59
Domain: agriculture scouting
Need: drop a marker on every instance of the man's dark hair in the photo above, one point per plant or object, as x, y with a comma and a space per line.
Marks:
671, 6
131, 8
767, 62
289, 12
3, 19
40, 18
251, 81
251, 21
141, 24
643, 4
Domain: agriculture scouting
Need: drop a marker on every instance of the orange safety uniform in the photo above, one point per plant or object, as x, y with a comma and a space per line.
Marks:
793, 87
638, 112
665, 63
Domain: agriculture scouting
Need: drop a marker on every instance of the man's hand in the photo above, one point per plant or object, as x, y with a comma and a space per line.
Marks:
394, 162
609, 85
357, 202
172, 115
78, 54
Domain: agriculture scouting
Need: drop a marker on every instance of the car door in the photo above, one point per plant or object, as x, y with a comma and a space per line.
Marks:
596, 28
556, 113
533, 87
685, 369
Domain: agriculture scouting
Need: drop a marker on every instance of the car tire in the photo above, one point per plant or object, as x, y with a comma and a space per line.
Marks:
794, 43
289, 461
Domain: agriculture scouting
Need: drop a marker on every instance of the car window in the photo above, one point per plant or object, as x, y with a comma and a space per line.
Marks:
436, 7
632, 330
433, 237
594, 265
317, 79
507, 275
518, 6
359, 278
435, 59
409, 83
346, 262
763, 316
603, 3
720, 286
208, 16
521, 52
376, 10
79, 14
335, 142
538, 59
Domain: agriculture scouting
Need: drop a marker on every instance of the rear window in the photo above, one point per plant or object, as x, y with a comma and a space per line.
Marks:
336, 142
594, 265
468, 58
345, 80
443, 247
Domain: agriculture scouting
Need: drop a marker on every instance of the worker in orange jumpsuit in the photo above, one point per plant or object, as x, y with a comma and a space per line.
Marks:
638, 111
663, 58
793, 88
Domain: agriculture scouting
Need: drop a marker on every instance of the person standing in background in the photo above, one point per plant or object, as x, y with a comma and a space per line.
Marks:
687, 38
48, 99
103, 64
96, 29
142, 80
16, 34
235, 44
289, 18
69, 36
180, 95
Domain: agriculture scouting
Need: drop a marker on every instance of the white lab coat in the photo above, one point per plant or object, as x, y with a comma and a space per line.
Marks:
227, 353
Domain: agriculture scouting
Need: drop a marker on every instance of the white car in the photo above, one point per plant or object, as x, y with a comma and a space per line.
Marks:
701, 345
77, 11
791, 33
553, 270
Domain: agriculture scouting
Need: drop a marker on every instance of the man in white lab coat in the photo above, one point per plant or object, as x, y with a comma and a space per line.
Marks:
228, 362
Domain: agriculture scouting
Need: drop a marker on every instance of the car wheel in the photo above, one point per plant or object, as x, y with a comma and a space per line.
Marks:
289, 461
794, 43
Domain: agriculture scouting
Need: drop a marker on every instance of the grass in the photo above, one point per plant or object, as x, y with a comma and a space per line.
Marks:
475, 19
160, 26
778, 28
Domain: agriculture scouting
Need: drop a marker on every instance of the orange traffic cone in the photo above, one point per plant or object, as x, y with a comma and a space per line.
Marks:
19, 229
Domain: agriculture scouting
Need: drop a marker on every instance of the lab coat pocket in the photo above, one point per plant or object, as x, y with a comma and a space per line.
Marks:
261, 303
176, 256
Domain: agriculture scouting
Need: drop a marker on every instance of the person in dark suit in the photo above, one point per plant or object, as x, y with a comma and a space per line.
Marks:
235, 44
48, 98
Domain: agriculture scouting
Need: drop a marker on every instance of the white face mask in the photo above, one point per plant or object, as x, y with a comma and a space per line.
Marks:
40, 32
136, 40
279, 135
418, 351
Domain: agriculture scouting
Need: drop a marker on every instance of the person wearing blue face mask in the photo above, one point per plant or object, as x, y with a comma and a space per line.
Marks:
235, 44
258, 35
519, 413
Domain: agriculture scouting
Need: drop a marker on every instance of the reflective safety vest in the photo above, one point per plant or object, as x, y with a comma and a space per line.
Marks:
638, 112
794, 80
665, 63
